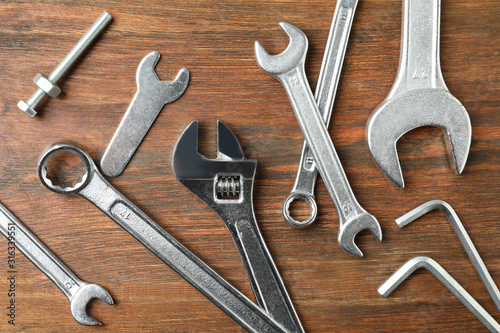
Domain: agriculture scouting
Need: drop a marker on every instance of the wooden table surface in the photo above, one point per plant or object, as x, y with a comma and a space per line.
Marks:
331, 290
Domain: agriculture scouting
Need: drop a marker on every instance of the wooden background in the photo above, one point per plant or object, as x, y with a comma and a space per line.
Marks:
331, 290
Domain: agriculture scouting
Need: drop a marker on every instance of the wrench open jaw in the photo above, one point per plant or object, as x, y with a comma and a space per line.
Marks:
226, 185
82, 298
288, 68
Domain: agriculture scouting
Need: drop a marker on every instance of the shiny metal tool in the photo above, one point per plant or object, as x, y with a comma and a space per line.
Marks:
78, 292
96, 189
467, 243
326, 89
442, 275
288, 68
419, 96
47, 85
226, 186
152, 94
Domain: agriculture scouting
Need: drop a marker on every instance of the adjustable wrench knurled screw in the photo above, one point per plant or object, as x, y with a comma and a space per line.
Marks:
288, 68
47, 86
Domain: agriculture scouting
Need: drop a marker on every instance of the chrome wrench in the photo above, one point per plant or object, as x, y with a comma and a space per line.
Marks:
96, 189
288, 68
326, 89
152, 94
78, 292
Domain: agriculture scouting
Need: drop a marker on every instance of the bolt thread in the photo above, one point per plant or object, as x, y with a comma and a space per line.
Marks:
78, 49
36, 98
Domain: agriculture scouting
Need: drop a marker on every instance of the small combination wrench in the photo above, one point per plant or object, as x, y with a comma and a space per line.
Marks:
226, 185
326, 89
419, 96
78, 292
96, 189
288, 68
152, 94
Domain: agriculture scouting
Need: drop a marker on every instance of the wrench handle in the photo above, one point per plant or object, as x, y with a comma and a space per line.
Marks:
176, 256
320, 143
38, 254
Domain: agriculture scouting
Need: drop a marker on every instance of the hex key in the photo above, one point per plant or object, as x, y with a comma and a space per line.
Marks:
462, 235
442, 275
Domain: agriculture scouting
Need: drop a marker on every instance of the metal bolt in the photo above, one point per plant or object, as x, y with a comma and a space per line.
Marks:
48, 85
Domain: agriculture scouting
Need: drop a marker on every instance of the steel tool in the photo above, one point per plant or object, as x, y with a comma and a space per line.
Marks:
288, 68
152, 94
325, 96
226, 186
47, 86
462, 235
78, 292
442, 275
96, 189
419, 96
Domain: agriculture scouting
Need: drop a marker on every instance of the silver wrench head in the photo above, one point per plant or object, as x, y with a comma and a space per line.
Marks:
83, 297
349, 230
400, 114
164, 91
78, 185
289, 59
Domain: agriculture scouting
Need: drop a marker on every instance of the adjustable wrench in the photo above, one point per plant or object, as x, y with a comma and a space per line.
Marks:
288, 68
326, 89
152, 94
225, 185
96, 189
78, 292
419, 97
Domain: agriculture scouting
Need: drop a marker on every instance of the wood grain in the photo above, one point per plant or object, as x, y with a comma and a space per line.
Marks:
332, 291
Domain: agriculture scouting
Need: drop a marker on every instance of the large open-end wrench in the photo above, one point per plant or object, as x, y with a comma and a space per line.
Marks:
288, 68
152, 94
226, 185
78, 292
419, 97
96, 189
326, 89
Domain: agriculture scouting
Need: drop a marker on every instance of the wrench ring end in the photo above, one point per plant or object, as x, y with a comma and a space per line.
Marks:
286, 209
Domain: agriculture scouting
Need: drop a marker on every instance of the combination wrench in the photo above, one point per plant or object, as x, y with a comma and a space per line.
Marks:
326, 89
96, 189
152, 94
78, 292
288, 68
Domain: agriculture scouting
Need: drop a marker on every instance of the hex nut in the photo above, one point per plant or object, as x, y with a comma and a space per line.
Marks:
26, 108
48, 87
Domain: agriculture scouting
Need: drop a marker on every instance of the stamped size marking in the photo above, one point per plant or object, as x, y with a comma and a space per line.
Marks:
422, 73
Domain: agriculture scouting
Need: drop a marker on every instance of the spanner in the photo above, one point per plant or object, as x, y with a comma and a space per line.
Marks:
288, 68
226, 186
419, 97
152, 94
326, 89
78, 292
96, 189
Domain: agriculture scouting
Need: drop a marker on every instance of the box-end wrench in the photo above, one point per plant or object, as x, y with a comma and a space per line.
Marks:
419, 97
288, 68
326, 89
152, 94
96, 189
78, 292
442, 275
226, 185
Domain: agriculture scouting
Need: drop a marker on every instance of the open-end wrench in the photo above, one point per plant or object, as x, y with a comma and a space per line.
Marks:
288, 68
226, 186
442, 275
78, 292
96, 189
152, 94
463, 236
326, 89
419, 97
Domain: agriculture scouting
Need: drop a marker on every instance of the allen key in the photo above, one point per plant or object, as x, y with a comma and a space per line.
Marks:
442, 275
462, 235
